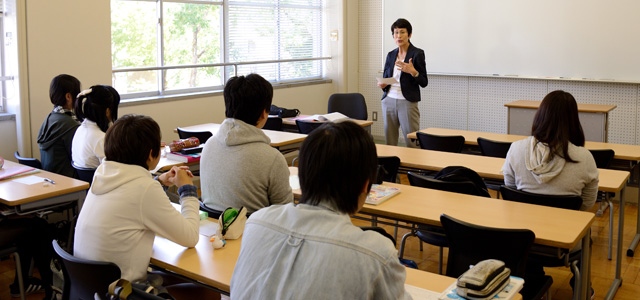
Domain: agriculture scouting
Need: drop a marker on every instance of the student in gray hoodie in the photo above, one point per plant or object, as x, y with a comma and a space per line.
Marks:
553, 161
238, 167
57, 130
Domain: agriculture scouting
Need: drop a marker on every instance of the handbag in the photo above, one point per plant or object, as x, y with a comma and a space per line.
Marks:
232, 222
122, 289
283, 112
485, 280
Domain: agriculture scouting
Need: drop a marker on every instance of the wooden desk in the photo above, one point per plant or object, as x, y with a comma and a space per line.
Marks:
290, 123
26, 199
593, 118
215, 267
279, 139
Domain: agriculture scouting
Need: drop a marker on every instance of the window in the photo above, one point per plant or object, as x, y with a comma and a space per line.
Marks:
163, 47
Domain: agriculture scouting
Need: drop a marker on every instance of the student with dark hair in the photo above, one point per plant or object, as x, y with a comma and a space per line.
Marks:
57, 130
97, 109
238, 167
312, 250
553, 161
126, 208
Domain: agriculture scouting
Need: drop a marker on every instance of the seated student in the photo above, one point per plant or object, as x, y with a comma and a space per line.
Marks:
126, 208
57, 130
312, 250
97, 109
238, 167
553, 161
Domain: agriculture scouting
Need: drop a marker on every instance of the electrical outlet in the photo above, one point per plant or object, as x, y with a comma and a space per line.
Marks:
374, 116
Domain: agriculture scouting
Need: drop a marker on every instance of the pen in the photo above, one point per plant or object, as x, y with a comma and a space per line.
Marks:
49, 180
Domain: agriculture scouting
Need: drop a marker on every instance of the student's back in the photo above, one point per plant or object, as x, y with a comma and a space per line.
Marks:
57, 130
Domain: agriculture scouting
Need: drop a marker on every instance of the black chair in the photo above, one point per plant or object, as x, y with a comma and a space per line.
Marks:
85, 174
7, 250
306, 127
351, 105
202, 136
493, 148
273, 123
452, 143
31, 162
434, 235
470, 244
388, 167
603, 159
544, 255
83, 278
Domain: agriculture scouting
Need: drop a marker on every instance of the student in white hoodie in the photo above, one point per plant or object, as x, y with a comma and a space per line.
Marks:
97, 109
126, 207
238, 167
553, 161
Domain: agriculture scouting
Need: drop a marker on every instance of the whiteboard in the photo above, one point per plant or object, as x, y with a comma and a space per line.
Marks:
574, 39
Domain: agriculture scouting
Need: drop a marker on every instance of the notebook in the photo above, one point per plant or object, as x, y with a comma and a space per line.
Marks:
380, 193
13, 171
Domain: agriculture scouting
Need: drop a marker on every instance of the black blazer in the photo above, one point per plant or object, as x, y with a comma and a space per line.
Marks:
409, 85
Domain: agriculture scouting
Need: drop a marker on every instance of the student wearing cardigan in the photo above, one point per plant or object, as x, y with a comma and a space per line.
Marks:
400, 100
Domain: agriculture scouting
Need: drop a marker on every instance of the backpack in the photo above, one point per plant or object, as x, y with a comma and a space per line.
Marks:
283, 112
458, 174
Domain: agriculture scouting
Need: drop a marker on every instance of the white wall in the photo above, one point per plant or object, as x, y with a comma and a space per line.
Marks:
73, 37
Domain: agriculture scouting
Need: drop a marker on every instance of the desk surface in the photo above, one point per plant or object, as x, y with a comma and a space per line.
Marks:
278, 138
622, 151
486, 167
582, 107
14, 193
215, 267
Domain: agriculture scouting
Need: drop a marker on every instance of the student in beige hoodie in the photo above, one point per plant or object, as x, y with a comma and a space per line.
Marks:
553, 161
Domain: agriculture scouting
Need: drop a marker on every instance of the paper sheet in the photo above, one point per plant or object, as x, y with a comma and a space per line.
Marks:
420, 293
29, 180
388, 81
208, 228
294, 182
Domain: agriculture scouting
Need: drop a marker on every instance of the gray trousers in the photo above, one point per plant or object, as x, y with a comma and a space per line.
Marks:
400, 113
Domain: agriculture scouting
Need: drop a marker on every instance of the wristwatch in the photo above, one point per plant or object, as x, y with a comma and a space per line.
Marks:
417, 74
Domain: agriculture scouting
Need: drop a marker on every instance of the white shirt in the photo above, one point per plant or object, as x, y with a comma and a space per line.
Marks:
87, 148
395, 91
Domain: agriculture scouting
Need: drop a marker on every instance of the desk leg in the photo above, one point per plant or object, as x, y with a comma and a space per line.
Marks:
585, 268
617, 281
636, 239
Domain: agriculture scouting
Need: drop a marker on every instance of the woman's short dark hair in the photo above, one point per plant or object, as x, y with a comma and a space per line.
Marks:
247, 97
335, 162
92, 104
130, 140
60, 86
556, 123
402, 23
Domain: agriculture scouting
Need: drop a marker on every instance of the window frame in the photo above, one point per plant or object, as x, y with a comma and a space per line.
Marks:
162, 91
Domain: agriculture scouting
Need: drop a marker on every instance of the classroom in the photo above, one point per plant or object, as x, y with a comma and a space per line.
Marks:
47, 38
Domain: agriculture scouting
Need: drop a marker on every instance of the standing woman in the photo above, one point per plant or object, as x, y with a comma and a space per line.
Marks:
400, 100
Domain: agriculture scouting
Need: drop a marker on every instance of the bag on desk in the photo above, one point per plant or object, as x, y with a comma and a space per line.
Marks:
283, 112
232, 222
485, 280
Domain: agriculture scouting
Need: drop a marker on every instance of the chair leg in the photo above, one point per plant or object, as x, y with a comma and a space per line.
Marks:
395, 231
440, 261
404, 239
421, 246
374, 221
576, 280
16, 256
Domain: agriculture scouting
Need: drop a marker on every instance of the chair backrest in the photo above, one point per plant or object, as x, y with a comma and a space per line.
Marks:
273, 123
390, 164
461, 187
306, 127
202, 136
83, 278
85, 174
603, 157
470, 244
566, 202
351, 105
31, 162
493, 148
451, 143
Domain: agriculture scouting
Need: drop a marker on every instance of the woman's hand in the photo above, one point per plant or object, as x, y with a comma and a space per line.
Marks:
382, 85
407, 67
177, 175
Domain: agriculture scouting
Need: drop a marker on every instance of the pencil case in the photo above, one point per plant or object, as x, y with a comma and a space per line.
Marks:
485, 280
